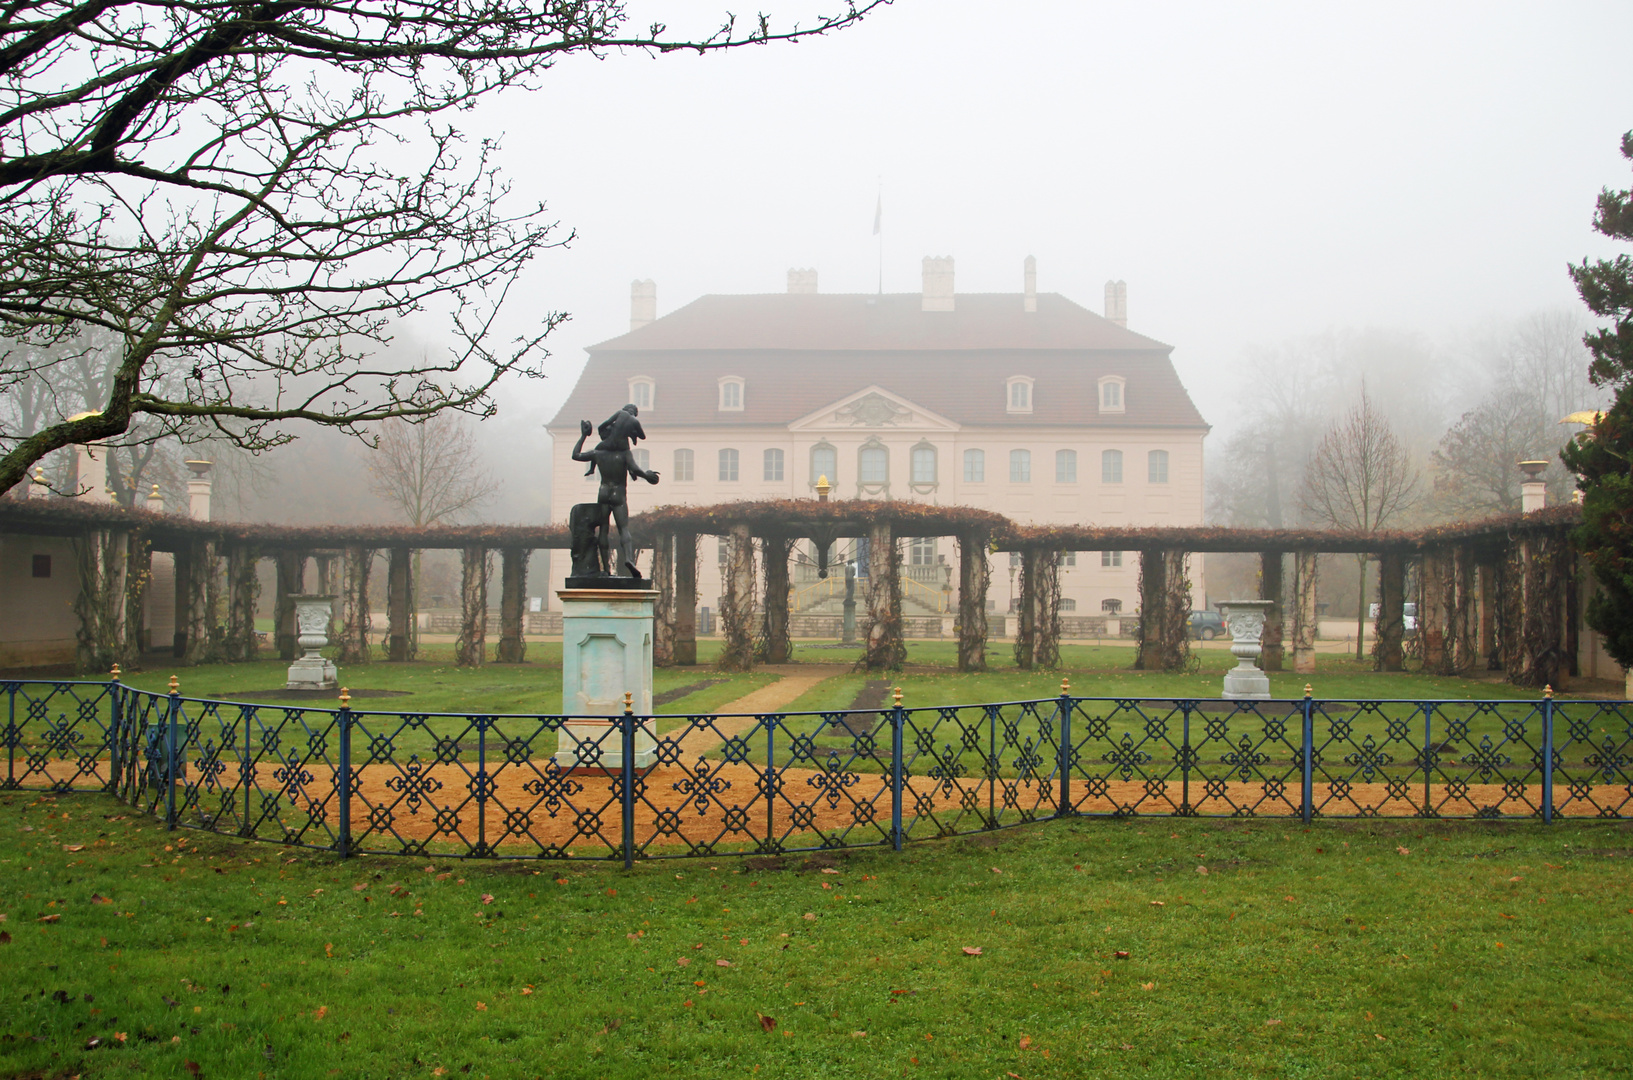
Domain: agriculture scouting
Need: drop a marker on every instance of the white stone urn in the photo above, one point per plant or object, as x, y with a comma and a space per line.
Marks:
1245, 618
312, 671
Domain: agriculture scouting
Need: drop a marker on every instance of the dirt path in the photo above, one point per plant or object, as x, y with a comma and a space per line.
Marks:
793, 681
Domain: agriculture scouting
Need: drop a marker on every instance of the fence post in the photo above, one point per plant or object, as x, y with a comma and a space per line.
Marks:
174, 712
1548, 755
626, 736
115, 730
1185, 759
1064, 806
11, 735
897, 719
1428, 757
1307, 795
343, 721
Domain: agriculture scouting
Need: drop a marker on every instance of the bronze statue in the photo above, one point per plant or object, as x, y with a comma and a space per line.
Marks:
588, 522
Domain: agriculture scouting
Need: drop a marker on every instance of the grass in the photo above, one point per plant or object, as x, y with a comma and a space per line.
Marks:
1357, 949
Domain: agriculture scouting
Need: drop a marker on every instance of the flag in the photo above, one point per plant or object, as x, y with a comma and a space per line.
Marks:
878, 213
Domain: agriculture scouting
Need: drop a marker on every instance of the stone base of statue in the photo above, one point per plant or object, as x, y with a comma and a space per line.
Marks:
1246, 621
606, 652
312, 671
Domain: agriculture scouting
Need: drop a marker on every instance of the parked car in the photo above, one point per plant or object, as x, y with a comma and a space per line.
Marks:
1207, 625
1409, 616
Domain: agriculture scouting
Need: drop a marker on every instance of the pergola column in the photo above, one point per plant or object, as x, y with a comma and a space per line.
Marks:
471, 648
1388, 653
685, 646
1434, 585
779, 646
512, 602
291, 582
1304, 611
192, 642
399, 604
1046, 612
1486, 577
243, 594
354, 605
1543, 579
885, 648
138, 572
663, 606
1165, 611
1026, 612
973, 577
737, 603
1270, 588
100, 605
1462, 622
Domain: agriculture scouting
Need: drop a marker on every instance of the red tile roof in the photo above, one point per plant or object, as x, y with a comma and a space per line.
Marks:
800, 352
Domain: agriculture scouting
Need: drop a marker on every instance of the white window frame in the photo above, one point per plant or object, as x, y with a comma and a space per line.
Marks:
1010, 384
979, 459
831, 474
921, 486
742, 393
651, 387
1151, 459
1119, 385
736, 460
1106, 458
1064, 458
773, 460
1023, 459
1111, 559
689, 474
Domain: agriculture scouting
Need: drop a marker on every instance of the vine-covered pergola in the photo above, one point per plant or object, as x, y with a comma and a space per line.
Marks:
1504, 592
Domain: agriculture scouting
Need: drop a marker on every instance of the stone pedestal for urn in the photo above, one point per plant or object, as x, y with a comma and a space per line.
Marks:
312, 671
1246, 621
606, 645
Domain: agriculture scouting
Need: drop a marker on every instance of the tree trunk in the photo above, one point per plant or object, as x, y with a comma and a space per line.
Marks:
1165, 612
1543, 580
737, 605
1361, 611
138, 574
471, 649
974, 574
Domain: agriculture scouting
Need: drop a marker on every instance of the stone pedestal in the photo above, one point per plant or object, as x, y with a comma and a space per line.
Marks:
1246, 621
312, 671
606, 644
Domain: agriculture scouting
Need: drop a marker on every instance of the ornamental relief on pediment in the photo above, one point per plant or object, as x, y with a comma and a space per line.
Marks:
872, 410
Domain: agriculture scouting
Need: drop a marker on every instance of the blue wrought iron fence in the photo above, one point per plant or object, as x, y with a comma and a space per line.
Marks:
356, 781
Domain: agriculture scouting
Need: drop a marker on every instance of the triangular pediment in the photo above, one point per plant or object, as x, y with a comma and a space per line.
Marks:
873, 408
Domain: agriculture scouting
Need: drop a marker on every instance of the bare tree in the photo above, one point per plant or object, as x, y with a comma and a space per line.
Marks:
430, 470
203, 181
1475, 469
1360, 478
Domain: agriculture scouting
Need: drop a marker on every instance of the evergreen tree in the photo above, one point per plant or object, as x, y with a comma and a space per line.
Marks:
1602, 455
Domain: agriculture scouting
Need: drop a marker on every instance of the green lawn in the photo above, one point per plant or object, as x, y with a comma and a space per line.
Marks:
1355, 949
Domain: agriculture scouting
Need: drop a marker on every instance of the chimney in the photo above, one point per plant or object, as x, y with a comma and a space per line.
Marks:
1117, 302
198, 490
1031, 301
1533, 489
938, 283
643, 303
802, 281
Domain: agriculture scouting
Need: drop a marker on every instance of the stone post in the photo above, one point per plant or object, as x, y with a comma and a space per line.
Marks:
471, 648
973, 577
243, 594
885, 648
512, 600
685, 648
1387, 651
400, 605
198, 490
1270, 588
1026, 612
291, 582
1304, 612
737, 603
779, 645
354, 605
663, 605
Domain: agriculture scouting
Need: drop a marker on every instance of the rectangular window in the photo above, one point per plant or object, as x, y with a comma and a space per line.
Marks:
1068, 558
1111, 558
728, 465
1157, 466
773, 464
1014, 558
725, 550
42, 566
1065, 466
1111, 466
683, 465
922, 551
975, 466
924, 465
1020, 466
824, 462
875, 465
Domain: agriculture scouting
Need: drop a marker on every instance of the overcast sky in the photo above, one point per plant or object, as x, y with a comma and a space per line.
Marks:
1253, 171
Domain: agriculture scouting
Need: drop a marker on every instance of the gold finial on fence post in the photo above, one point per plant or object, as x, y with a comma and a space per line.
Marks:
1548, 691
1307, 689
345, 697
629, 703
175, 685
1065, 687
898, 697
113, 676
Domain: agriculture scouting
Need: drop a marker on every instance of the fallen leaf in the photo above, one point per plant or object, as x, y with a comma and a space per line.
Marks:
683, 961
439, 1071
1026, 1042
526, 990
1126, 1046
92, 1043
487, 898
49, 918
1159, 903
1289, 899
95, 899
722, 963
5, 937
360, 886
994, 870
829, 870
1202, 869
767, 1024
859, 1034
1271, 1023
482, 1006
323, 1010
172, 1002
809, 916
73, 847
1017, 1076
192, 1067
972, 950
1380, 1038
1404, 850
1148, 986
1121, 954
1500, 945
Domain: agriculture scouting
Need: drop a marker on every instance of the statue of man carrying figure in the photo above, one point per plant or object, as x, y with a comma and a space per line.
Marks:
615, 461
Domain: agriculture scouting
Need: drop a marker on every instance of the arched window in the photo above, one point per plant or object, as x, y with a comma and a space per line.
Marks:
1156, 466
1111, 466
731, 394
642, 392
1065, 466
873, 464
1111, 394
1019, 394
773, 464
683, 465
1020, 466
924, 466
825, 462
728, 465
975, 466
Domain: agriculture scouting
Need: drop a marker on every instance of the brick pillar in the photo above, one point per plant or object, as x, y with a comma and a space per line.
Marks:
973, 576
512, 604
1270, 588
1387, 651
400, 605
1304, 612
779, 646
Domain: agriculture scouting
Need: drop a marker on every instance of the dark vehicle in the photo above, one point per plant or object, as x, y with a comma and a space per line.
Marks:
1207, 625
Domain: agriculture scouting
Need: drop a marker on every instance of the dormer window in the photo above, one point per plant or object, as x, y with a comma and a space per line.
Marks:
641, 392
1111, 394
731, 394
1020, 394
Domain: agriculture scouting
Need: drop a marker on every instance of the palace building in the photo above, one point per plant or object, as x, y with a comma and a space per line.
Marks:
1026, 403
